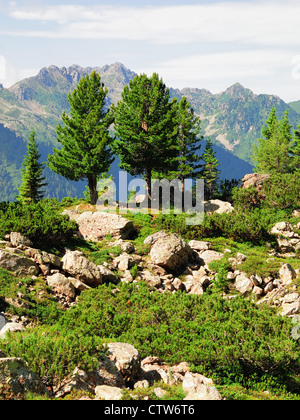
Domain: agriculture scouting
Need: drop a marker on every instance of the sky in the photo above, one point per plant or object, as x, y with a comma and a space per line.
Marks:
190, 43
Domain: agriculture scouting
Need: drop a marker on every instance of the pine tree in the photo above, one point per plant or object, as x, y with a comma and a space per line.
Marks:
30, 190
189, 140
146, 128
210, 172
85, 135
295, 151
271, 153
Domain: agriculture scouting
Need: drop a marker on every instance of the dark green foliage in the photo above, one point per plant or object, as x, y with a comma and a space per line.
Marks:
271, 153
41, 222
85, 135
210, 171
229, 340
295, 150
146, 128
54, 352
189, 143
32, 174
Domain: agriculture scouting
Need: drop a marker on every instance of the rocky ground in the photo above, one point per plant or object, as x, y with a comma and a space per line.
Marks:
171, 265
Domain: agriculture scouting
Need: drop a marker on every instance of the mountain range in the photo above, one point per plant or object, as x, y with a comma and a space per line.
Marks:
233, 119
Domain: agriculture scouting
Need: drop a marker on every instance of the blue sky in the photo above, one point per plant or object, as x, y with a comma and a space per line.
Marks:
190, 43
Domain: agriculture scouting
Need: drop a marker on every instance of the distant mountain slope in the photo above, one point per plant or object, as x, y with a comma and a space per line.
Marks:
233, 119
295, 106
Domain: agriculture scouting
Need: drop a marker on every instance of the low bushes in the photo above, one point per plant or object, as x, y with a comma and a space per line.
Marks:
231, 341
41, 222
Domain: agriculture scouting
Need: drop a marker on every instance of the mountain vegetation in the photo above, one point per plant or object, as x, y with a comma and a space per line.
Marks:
99, 306
233, 119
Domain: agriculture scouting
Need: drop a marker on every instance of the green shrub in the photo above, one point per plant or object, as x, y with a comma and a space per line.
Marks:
53, 353
41, 222
229, 340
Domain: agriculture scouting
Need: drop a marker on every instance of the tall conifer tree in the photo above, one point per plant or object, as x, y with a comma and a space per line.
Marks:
31, 189
146, 128
210, 171
85, 135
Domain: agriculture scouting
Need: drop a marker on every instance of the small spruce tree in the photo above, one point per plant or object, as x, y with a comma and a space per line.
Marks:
31, 189
210, 171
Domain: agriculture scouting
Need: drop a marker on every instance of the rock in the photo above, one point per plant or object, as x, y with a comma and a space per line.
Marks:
171, 252
243, 284
108, 393
296, 213
18, 264
258, 291
12, 327
160, 393
81, 268
150, 278
96, 226
107, 275
154, 370
210, 256
150, 240
126, 359
61, 285
16, 239
200, 245
198, 387
79, 285
254, 181
16, 380
287, 274
284, 229
269, 287
123, 262
105, 374
43, 258
291, 309
141, 384
3, 321
217, 206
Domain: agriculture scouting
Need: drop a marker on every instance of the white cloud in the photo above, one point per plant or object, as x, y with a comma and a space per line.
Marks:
258, 22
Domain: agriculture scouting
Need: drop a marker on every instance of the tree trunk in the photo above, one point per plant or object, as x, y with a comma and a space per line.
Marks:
148, 174
92, 180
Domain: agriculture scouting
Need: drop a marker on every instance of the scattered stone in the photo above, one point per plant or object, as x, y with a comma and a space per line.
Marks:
96, 226
108, 393
217, 206
12, 327
18, 264
243, 284
126, 359
61, 285
81, 268
200, 245
287, 274
17, 239
198, 387
171, 252
210, 256
16, 380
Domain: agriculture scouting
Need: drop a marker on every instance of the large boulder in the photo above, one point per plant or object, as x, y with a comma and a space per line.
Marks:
18, 264
17, 239
198, 387
126, 359
61, 285
254, 181
16, 380
170, 251
217, 206
96, 226
81, 268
